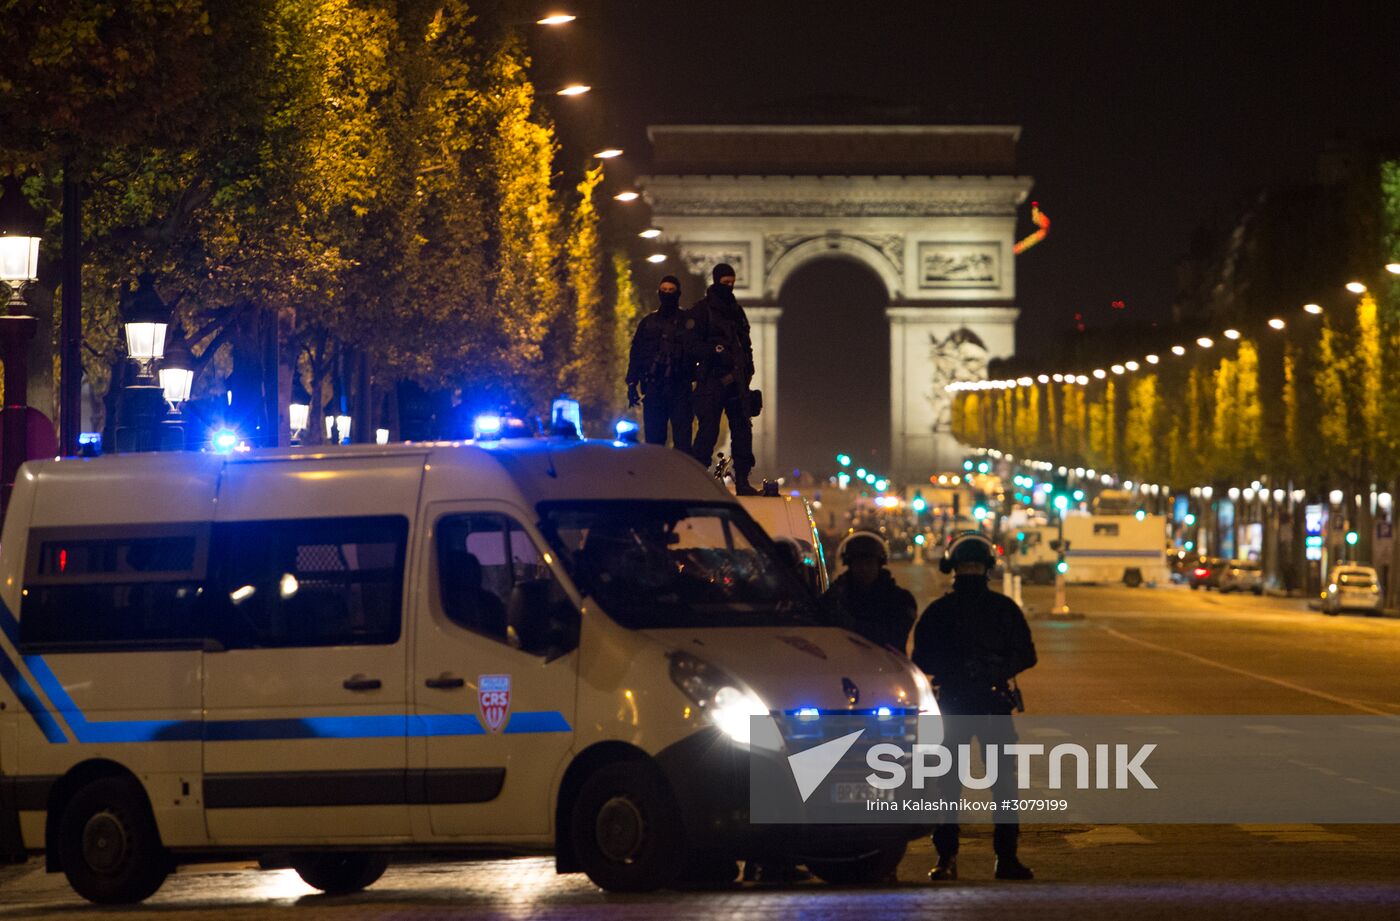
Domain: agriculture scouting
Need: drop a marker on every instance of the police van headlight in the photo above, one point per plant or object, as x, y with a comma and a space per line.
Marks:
724, 701
928, 703
930, 729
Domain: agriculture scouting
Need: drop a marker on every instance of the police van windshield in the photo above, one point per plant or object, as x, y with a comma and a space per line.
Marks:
675, 564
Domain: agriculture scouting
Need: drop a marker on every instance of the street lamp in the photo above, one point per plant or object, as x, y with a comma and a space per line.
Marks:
607, 153
176, 367
1232, 334
556, 19
626, 196
651, 233
1205, 342
574, 89
1277, 323
20, 227
142, 407
299, 409
1356, 287
1313, 309
1178, 350
145, 317
656, 258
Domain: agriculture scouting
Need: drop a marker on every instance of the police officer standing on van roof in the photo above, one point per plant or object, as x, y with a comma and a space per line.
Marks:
725, 357
865, 598
972, 642
661, 369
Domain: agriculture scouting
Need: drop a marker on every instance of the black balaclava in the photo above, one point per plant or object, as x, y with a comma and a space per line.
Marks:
670, 300
725, 292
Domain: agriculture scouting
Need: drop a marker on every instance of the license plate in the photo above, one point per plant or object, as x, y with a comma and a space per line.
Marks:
858, 793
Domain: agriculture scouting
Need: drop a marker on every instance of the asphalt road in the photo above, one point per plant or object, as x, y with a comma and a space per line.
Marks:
1159, 651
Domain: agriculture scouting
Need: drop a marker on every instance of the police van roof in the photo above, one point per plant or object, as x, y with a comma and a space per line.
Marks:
185, 486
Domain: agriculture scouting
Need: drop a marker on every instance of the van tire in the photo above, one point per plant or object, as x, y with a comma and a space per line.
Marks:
339, 873
109, 843
626, 830
1132, 578
869, 869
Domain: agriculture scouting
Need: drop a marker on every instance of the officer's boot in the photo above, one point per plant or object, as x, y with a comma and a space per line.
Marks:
946, 870
742, 486
1009, 867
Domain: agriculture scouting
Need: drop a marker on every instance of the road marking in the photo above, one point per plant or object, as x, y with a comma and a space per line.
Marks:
1101, 835
1295, 834
1322, 695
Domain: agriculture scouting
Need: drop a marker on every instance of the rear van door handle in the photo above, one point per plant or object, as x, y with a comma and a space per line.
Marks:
445, 682
361, 683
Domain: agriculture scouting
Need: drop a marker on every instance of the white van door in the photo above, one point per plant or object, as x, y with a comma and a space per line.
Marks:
305, 684
493, 689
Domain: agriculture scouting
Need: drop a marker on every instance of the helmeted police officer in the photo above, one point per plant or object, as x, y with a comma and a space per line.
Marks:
972, 642
661, 369
724, 353
865, 598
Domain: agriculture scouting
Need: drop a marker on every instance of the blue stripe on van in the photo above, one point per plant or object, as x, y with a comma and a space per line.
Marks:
540, 721
35, 707
312, 727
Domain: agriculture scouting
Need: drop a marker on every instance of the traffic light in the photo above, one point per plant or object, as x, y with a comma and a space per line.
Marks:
1061, 502
1352, 538
979, 512
918, 504
967, 465
844, 460
1062, 567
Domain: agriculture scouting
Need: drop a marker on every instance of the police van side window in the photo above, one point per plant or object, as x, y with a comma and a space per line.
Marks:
308, 582
129, 587
489, 574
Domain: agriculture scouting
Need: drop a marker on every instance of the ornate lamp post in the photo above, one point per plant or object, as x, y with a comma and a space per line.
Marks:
299, 410
20, 227
142, 407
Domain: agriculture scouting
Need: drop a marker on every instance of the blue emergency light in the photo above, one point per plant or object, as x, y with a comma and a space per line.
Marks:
487, 426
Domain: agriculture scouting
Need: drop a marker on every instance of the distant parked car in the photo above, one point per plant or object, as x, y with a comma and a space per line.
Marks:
1206, 573
1241, 576
1352, 587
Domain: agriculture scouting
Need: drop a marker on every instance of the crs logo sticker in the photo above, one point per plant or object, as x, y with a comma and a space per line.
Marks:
493, 695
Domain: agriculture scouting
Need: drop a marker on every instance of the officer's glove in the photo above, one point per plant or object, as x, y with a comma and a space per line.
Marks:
633, 397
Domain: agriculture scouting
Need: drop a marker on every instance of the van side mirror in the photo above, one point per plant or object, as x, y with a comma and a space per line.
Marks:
544, 622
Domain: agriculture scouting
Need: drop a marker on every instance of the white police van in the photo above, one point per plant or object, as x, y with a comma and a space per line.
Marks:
324, 658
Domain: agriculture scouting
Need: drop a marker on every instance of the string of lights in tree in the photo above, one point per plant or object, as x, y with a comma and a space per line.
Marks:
1042, 224
1278, 324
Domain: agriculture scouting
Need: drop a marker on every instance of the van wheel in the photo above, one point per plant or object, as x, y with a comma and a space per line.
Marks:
109, 844
626, 830
1132, 578
336, 873
875, 867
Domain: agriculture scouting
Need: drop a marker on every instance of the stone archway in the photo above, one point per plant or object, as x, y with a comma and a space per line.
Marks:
930, 209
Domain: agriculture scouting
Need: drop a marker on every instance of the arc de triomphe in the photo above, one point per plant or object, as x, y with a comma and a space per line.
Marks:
930, 209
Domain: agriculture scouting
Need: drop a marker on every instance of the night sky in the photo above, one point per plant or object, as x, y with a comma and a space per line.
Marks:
1142, 121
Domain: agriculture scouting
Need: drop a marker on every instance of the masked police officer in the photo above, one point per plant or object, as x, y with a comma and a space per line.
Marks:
865, 599
661, 369
972, 642
724, 353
